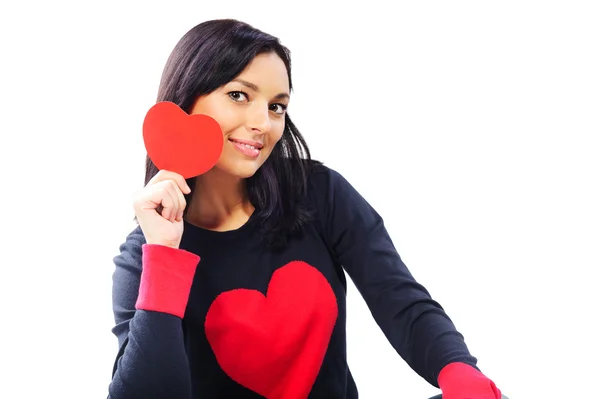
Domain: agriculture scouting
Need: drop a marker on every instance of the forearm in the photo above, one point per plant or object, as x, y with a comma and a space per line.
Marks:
414, 323
154, 363
429, 341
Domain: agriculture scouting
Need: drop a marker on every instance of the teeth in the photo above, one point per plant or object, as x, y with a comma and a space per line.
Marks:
245, 145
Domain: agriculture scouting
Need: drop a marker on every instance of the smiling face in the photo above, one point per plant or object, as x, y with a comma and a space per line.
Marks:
251, 112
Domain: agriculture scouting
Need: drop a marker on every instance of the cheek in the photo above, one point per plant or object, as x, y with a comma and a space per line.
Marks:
228, 123
225, 116
276, 134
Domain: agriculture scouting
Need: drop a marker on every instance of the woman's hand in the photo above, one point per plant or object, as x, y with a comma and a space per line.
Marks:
164, 194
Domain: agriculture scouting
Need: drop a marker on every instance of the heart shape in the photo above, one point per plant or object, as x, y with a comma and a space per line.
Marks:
274, 345
186, 144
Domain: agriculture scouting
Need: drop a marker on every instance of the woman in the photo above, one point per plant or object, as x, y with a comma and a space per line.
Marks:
232, 285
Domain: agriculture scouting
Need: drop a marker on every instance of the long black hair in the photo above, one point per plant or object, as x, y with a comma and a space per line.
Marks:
209, 56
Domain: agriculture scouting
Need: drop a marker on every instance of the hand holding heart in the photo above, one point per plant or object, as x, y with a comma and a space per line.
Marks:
166, 189
181, 146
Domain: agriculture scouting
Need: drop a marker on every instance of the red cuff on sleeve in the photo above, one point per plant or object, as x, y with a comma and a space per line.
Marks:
459, 380
167, 275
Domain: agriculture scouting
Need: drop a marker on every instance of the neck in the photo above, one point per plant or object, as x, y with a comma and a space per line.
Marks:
219, 202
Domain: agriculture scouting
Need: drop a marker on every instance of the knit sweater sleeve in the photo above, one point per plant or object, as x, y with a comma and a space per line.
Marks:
416, 325
151, 361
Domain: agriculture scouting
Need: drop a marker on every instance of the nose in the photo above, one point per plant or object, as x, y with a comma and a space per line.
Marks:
258, 118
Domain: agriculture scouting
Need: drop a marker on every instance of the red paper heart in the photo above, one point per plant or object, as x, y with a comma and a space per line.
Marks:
275, 345
186, 144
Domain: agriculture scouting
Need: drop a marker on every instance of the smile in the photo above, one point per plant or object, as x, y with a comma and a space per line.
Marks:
250, 150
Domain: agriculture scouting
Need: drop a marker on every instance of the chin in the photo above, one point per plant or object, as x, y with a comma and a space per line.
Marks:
245, 173
240, 166
242, 170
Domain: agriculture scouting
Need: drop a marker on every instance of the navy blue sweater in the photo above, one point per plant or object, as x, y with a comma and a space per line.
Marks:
259, 323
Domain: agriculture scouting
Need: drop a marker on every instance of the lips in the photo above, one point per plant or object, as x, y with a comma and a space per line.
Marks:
248, 148
254, 144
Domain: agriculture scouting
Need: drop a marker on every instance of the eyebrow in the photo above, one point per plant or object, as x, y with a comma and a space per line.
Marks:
254, 87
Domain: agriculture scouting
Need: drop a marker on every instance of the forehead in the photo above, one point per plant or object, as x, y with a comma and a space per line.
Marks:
268, 72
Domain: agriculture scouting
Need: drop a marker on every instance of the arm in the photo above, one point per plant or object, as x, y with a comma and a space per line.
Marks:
415, 324
151, 285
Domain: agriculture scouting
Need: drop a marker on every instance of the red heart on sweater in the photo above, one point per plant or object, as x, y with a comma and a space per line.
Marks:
176, 141
275, 344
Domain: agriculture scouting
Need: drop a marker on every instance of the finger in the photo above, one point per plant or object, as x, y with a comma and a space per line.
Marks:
181, 201
160, 196
168, 175
176, 196
171, 190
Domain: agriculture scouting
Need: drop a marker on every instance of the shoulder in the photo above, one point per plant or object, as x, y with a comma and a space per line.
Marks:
322, 178
331, 191
326, 186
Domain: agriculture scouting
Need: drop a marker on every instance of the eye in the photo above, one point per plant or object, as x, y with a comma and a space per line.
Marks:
281, 110
237, 96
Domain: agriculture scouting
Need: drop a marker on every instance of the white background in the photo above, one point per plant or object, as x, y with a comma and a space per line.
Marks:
471, 126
